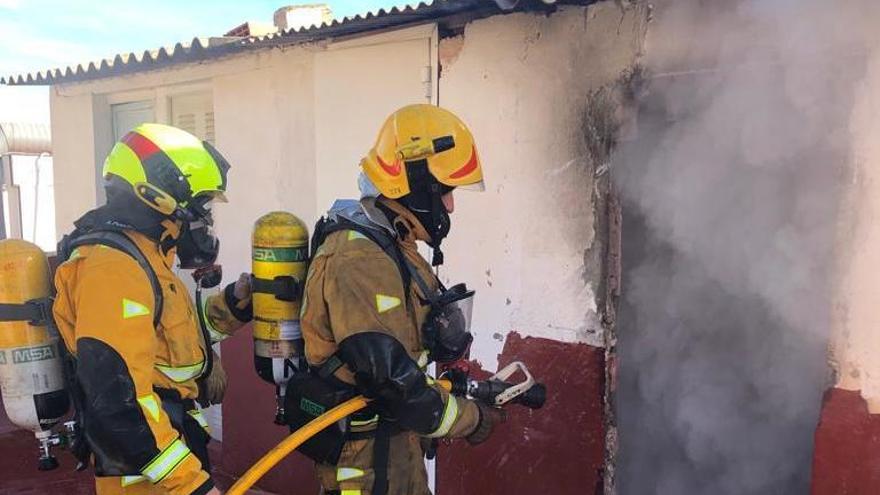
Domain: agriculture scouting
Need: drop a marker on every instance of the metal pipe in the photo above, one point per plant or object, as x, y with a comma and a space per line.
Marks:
13, 197
25, 138
19, 139
37, 194
2, 211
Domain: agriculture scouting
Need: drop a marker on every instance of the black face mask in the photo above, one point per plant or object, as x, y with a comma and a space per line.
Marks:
446, 331
435, 219
197, 247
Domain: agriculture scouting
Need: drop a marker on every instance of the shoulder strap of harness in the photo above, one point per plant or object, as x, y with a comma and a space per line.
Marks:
38, 312
120, 242
385, 241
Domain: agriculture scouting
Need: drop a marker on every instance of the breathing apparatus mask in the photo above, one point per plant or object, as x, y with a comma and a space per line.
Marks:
446, 332
197, 246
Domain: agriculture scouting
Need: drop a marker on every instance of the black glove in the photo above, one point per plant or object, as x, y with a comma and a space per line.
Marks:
489, 417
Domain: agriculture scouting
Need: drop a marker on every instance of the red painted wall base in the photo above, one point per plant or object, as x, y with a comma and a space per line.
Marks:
847, 453
248, 430
558, 449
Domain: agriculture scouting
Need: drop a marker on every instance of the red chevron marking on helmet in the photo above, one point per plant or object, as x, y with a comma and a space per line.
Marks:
391, 169
142, 147
468, 167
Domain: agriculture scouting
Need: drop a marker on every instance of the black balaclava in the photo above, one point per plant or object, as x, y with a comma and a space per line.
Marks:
123, 211
196, 245
425, 202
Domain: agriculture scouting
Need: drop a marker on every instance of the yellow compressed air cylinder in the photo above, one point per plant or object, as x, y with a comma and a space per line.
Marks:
31, 367
280, 255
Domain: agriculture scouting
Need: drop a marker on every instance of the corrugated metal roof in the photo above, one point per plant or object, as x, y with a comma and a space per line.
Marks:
200, 49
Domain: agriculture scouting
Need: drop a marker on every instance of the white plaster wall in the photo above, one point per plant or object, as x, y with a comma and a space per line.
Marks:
520, 82
264, 126
294, 123
855, 342
73, 149
356, 88
81, 119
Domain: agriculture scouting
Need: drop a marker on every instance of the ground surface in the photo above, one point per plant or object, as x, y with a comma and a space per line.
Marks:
19, 474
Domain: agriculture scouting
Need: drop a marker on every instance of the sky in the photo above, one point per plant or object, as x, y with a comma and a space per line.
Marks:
43, 34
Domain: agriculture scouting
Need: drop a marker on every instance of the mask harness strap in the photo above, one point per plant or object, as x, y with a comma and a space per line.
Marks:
430, 296
206, 336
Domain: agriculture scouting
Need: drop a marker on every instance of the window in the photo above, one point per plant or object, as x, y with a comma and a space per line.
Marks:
194, 113
126, 116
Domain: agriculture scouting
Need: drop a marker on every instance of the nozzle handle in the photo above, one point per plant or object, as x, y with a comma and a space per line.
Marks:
490, 390
497, 391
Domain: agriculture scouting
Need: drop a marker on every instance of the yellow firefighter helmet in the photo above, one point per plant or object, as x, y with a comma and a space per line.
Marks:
423, 132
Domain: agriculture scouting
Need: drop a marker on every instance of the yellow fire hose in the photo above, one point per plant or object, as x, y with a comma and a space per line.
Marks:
297, 438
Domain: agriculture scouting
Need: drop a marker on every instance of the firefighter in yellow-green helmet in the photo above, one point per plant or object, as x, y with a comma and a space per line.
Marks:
139, 348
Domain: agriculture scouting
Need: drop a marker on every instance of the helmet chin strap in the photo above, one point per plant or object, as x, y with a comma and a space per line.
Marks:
440, 223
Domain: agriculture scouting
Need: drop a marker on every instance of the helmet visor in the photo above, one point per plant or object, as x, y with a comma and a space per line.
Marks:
455, 317
476, 186
201, 206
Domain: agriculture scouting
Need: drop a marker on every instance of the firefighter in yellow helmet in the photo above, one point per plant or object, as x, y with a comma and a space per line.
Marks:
375, 315
138, 354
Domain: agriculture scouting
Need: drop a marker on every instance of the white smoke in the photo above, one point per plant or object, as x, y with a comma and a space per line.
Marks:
732, 189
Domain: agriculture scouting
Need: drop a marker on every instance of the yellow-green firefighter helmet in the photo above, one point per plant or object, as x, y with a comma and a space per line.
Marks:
167, 167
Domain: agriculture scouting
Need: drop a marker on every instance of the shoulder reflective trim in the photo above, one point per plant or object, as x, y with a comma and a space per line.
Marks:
164, 463
431, 381
151, 405
373, 420
350, 492
131, 480
354, 234
74, 255
386, 303
197, 415
423, 360
450, 414
180, 374
345, 474
216, 335
130, 309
